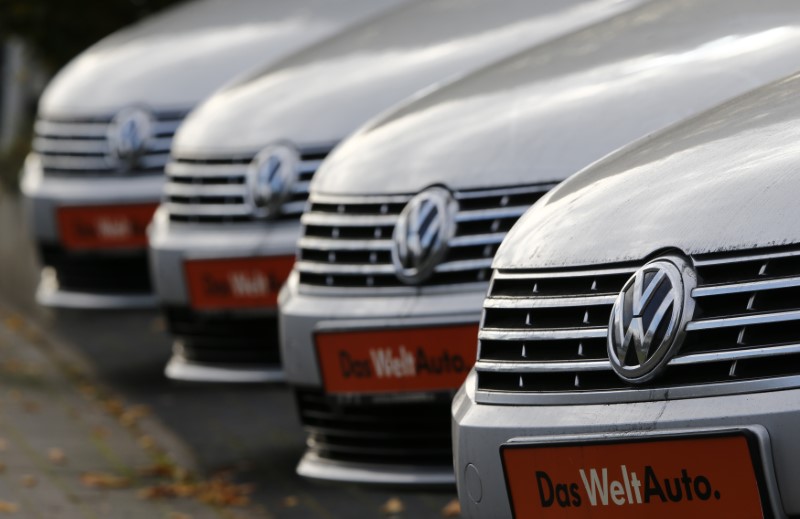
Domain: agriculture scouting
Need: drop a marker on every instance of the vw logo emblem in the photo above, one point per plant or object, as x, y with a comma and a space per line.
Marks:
127, 137
425, 226
272, 174
648, 320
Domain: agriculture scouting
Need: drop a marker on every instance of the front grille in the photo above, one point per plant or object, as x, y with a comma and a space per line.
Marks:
215, 190
390, 434
347, 241
71, 147
224, 339
545, 332
105, 274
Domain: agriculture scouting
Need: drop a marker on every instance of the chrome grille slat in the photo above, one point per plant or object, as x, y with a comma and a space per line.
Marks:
366, 270
80, 146
486, 214
551, 302
752, 286
477, 239
745, 330
178, 169
86, 147
212, 190
733, 355
543, 367
347, 220
744, 320
220, 210
363, 226
196, 185
533, 335
327, 244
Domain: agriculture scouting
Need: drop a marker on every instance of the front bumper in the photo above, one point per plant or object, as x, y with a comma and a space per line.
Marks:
479, 430
96, 278
223, 344
391, 438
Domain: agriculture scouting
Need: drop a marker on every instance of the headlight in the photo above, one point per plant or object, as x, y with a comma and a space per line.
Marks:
270, 176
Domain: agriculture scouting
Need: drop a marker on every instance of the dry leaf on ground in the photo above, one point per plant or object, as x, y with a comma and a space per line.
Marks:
290, 502
133, 414
104, 480
178, 515
146, 442
57, 456
393, 506
3, 444
6, 507
452, 509
14, 322
29, 480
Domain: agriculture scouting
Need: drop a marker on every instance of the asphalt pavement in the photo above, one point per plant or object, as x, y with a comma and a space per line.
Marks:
248, 431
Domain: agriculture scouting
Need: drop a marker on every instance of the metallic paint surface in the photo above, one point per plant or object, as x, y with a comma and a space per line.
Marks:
547, 112
176, 58
322, 94
724, 181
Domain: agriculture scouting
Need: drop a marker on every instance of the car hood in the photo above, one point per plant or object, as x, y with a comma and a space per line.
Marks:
546, 113
724, 181
322, 94
175, 59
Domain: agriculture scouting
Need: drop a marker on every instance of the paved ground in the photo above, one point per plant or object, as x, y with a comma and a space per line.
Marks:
249, 430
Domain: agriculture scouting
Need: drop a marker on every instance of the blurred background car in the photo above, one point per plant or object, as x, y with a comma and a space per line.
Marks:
687, 236
224, 240
380, 316
106, 121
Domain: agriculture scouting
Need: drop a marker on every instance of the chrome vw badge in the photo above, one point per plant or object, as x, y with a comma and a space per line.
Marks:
127, 137
648, 320
422, 233
272, 174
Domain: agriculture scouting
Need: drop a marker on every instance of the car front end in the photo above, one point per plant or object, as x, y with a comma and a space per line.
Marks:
378, 325
221, 246
218, 176
638, 347
105, 124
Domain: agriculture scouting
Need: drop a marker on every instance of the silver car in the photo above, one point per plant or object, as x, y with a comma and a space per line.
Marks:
380, 315
639, 345
224, 240
106, 121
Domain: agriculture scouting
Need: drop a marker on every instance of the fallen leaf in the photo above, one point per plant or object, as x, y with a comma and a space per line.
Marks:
290, 502
29, 480
14, 322
29, 406
57, 456
7, 507
133, 414
104, 480
393, 506
178, 515
88, 390
100, 432
162, 469
452, 509
146, 442
114, 406
2, 467
3, 444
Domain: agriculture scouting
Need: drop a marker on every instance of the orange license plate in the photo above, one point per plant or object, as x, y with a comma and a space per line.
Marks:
237, 283
709, 476
105, 227
402, 360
